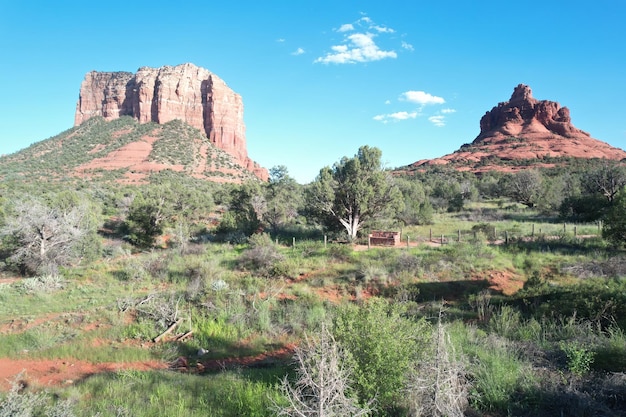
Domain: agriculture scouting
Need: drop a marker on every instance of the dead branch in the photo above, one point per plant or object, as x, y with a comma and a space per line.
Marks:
168, 331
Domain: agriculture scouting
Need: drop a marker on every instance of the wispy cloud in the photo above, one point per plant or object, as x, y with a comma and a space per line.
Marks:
439, 120
421, 97
397, 116
280, 40
346, 27
298, 51
358, 44
407, 46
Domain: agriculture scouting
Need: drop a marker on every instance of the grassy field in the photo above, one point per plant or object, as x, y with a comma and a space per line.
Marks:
535, 312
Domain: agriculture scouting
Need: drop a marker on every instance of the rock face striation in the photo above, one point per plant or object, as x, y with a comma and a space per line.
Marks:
524, 129
186, 92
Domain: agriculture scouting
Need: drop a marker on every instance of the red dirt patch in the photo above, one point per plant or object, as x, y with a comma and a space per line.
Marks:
62, 371
263, 359
505, 282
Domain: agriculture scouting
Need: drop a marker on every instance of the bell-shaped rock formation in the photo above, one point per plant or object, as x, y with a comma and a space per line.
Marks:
524, 132
524, 116
186, 92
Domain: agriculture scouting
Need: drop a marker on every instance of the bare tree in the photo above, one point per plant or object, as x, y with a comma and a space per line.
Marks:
438, 387
45, 237
322, 382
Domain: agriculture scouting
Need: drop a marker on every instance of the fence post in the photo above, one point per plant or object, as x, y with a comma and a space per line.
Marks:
441, 239
575, 231
325, 241
369, 241
407, 241
294, 242
430, 239
564, 227
532, 234
506, 237
458, 237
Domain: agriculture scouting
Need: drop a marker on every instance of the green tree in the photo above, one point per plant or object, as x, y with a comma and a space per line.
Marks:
614, 226
145, 220
417, 208
246, 208
383, 345
607, 179
354, 191
525, 187
158, 206
283, 197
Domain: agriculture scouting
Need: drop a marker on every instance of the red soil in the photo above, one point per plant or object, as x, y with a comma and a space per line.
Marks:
44, 373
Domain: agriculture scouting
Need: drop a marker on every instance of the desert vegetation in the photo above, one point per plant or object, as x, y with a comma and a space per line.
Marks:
180, 297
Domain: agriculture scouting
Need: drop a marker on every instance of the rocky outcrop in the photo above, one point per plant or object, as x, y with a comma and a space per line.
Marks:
527, 117
186, 92
521, 132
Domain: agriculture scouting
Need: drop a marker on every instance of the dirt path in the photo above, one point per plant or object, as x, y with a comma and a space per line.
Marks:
59, 372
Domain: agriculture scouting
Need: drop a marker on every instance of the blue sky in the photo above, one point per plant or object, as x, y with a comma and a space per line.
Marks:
320, 79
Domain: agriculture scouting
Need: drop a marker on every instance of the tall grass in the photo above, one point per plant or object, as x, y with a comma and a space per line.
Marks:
148, 394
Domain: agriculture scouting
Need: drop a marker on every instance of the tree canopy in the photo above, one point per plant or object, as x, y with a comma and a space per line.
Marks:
354, 191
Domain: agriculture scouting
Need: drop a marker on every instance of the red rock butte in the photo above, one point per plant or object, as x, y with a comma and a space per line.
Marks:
186, 92
525, 128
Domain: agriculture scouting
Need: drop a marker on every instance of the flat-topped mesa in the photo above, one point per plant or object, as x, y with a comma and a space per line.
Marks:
525, 116
186, 92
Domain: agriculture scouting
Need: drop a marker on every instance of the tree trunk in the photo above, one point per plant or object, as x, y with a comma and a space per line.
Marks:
352, 226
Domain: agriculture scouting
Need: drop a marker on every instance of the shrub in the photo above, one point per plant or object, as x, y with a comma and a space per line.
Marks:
42, 284
20, 402
383, 346
579, 358
340, 252
262, 256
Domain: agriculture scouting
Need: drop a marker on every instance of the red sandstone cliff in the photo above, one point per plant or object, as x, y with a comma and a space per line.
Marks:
186, 92
525, 128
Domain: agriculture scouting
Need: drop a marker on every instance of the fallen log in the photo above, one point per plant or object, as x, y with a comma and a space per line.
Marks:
168, 331
184, 336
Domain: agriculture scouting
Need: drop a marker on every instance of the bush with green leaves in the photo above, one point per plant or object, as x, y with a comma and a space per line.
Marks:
579, 357
383, 345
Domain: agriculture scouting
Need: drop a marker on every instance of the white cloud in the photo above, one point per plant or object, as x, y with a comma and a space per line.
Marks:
387, 101
346, 27
421, 97
358, 47
407, 46
298, 51
397, 116
280, 40
447, 111
439, 121
382, 29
